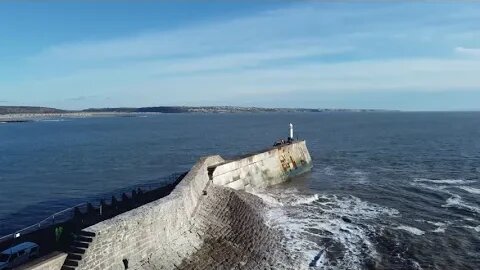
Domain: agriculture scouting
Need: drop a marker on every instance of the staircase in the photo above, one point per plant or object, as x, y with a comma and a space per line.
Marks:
78, 249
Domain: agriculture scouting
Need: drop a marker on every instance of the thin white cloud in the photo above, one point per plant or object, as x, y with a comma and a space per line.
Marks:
261, 30
297, 48
264, 30
468, 51
130, 87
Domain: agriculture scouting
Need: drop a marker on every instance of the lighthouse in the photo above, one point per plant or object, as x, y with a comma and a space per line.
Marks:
290, 138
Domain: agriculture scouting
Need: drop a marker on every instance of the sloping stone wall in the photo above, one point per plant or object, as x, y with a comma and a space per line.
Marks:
156, 230
234, 234
263, 169
203, 223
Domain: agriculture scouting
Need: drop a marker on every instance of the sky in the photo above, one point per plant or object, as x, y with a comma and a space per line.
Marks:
375, 55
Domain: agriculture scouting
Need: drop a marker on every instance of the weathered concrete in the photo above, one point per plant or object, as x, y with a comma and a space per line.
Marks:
160, 229
53, 261
263, 169
203, 223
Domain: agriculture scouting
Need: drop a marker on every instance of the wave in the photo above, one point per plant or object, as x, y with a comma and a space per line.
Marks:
444, 181
329, 170
326, 231
477, 228
457, 202
50, 120
409, 229
359, 176
441, 226
470, 189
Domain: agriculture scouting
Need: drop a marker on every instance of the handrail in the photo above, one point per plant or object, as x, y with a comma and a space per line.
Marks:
38, 224
50, 220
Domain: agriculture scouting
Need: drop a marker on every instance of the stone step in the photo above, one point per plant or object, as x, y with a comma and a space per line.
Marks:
74, 256
78, 250
80, 244
84, 239
85, 233
68, 267
71, 263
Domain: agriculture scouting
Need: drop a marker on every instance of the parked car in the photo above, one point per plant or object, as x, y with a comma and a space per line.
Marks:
18, 255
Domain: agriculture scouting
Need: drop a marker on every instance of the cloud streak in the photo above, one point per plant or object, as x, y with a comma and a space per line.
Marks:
315, 47
468, 51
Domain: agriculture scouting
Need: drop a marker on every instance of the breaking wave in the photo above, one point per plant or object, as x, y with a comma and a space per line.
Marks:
470, 189
456, 201
410, 229
326, 231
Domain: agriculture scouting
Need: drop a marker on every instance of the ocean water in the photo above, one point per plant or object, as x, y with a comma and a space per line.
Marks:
388, 190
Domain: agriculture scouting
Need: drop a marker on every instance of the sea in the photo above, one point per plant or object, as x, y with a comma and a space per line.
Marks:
388, 190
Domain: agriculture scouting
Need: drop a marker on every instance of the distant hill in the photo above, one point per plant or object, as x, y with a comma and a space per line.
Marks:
201, 109
28, 109
167, 109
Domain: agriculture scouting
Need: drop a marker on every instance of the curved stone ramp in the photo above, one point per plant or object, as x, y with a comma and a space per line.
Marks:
201, 225
235, 235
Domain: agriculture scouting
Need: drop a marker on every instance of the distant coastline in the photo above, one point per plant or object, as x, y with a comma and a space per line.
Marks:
13, 114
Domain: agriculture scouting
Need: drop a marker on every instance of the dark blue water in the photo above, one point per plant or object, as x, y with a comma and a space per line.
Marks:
388, 190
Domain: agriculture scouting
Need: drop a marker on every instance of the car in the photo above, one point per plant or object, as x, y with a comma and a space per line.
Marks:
18, 254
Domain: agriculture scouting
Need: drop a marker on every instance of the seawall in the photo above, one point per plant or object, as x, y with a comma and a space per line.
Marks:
207, 222
263, 169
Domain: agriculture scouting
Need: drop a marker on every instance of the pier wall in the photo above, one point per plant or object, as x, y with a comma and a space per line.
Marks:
159, 229
184, 228
263, 169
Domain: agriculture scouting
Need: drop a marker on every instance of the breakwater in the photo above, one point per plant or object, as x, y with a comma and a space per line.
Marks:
207, 221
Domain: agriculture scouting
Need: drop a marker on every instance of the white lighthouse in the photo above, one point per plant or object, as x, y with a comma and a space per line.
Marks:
291, 132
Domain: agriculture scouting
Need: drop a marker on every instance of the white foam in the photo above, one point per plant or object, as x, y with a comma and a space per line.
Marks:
307, 221
441, 226
470, 189
430, 187
329, 171
477, 229
410, 229
416, 265
360, 176
269, 200
444, 181
50, 120
306, 200
456, 201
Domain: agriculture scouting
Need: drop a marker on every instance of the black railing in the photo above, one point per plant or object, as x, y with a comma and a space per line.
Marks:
56, 231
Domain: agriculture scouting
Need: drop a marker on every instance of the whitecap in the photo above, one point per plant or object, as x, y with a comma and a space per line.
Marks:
456, 201
444, 181
306, 200
470, 189
441, 226
416, 265
409, 229
430, 187
477, 229
50, 120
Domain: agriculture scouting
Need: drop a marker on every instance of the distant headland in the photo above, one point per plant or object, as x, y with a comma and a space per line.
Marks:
30, 113
165, 109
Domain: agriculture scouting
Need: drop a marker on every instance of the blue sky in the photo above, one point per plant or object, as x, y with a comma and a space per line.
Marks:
408, 56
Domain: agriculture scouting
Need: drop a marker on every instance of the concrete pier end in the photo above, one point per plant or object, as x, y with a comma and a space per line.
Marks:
208, 221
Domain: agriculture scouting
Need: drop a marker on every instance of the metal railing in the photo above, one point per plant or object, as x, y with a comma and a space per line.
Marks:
83, 208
